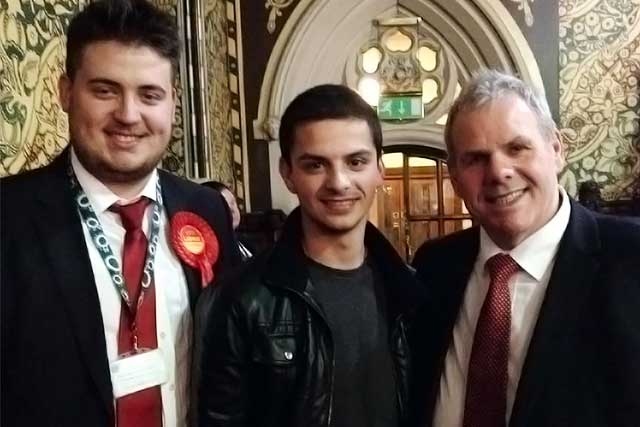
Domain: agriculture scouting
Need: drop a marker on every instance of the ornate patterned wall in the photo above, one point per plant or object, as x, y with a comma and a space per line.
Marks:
33, 128
175, 157
218, 94
599, 93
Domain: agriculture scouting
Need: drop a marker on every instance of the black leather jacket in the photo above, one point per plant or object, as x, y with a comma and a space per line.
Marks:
268, 351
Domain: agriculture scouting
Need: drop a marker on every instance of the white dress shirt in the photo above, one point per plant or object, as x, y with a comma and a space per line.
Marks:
173, 313
536, 257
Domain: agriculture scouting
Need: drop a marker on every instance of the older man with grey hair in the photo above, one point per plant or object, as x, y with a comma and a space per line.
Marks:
534, 318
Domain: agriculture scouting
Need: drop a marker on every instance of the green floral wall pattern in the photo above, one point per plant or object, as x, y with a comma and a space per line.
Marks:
218, 94
599, 93
33, 128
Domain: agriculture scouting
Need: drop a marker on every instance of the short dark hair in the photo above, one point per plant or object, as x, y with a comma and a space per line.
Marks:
135, 22
217, 185
324, 102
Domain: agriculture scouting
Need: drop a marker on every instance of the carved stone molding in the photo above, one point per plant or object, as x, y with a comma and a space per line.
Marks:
276, 7
401, 73
271, 127
525, 7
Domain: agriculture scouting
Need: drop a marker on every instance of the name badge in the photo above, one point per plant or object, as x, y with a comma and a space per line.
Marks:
137, 372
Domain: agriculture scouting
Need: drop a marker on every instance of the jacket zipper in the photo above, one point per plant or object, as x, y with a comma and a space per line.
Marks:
399, 387
308, 299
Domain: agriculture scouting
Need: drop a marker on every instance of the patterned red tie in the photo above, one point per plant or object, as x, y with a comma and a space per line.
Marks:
486, 399
143, 408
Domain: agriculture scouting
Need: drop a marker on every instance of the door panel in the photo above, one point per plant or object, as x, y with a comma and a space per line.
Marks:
417, 202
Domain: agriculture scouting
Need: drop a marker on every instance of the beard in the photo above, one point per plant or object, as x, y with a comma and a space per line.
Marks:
110, 173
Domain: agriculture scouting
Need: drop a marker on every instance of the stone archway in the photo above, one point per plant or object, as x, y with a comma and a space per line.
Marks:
321, 38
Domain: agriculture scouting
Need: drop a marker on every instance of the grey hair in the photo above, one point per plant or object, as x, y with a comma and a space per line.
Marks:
487, 85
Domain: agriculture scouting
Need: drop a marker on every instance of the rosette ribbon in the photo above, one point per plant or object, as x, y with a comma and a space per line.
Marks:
195, 243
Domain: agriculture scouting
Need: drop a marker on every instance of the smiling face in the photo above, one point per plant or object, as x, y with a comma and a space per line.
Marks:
334, 171
505, 168
120, 104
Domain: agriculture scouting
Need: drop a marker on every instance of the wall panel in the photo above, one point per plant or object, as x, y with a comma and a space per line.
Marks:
599, 94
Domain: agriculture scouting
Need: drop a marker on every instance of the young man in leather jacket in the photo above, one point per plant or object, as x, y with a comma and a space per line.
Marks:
314, 332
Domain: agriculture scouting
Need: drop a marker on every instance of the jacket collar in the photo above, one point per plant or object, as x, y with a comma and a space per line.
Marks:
287, 266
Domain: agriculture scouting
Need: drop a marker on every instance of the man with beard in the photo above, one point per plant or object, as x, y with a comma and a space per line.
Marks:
103, 254
313, 332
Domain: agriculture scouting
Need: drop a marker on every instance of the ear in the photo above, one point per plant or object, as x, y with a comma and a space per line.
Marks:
558, 150
285, 173
453, 176
381, 171
174, 96
64, 92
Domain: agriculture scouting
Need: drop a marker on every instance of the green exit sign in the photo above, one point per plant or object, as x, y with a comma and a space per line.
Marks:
400, 107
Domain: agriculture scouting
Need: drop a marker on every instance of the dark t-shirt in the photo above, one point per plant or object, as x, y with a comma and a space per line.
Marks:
364, 380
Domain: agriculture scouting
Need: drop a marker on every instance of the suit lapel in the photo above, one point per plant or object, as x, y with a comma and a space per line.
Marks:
570, 282
175, 201
452, 283
61, 234
466, 255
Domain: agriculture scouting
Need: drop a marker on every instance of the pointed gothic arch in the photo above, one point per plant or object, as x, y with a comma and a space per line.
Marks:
320, 40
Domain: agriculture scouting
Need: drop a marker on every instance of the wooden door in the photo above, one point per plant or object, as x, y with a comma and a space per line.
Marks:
416, 202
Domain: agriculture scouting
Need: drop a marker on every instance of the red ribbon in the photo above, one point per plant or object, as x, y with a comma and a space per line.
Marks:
195, 243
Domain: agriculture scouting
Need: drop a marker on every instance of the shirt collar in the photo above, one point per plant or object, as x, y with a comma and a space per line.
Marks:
537, 251
100, 196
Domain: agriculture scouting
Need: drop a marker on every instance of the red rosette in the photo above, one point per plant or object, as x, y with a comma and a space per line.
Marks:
195, 243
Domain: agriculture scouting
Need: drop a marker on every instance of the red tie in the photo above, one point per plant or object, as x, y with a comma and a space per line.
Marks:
143, 408
486, 399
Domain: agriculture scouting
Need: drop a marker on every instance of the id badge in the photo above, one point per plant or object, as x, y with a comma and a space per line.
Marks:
136, 372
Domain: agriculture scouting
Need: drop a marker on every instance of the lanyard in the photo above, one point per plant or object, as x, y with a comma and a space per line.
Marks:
90, 219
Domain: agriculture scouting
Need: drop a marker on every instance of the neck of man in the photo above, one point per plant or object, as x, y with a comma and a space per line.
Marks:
127, 190
341, 251
125, 187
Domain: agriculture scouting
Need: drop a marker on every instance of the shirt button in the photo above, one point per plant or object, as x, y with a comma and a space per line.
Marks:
288, 355
172, 387
162, 335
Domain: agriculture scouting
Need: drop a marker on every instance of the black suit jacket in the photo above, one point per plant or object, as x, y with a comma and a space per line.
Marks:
582, 367
54, 362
